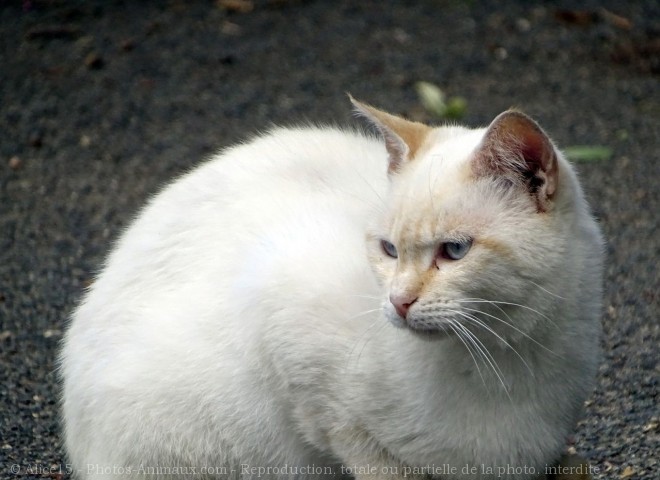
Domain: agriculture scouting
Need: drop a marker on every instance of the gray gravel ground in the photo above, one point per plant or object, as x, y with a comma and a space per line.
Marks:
102, 102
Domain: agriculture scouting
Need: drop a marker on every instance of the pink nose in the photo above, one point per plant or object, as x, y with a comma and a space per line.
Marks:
402, 303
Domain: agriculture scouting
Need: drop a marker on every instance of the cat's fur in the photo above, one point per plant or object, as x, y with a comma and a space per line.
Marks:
242, 320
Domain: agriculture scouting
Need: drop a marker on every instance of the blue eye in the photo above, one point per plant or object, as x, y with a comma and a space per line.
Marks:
389, 249
455, 250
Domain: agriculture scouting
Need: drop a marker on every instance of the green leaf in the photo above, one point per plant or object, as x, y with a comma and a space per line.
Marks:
435, 102
456, 107
432, 98
588, 153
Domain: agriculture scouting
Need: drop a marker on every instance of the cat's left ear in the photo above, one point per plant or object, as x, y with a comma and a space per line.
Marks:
516, 147
403, 138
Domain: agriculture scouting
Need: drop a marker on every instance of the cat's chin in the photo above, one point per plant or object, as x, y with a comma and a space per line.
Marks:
431, 334
427, 332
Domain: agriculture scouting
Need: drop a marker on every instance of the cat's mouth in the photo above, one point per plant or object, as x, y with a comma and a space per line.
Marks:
425, 324
431, 331
431, 335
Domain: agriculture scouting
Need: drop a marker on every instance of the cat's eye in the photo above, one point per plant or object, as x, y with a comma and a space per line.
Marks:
455, 250
389, 248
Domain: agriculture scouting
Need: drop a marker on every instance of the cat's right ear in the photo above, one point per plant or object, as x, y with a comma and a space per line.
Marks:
514, 146
403, 138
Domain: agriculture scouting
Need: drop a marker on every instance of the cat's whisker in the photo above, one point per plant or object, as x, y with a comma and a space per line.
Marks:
487, 357
363, 336
367, 330
370, 297
459, 335
499, 302
478, 322
366, 312
379, 328
368, 334
431, 196
503, 312
435, 181
464, 315
510, 326
481, 348
546, 290
375, 207
371, 187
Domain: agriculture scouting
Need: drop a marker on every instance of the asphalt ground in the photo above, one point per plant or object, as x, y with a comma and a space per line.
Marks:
102, 102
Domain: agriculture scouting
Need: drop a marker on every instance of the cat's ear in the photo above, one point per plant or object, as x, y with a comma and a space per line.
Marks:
403, 138
516, 147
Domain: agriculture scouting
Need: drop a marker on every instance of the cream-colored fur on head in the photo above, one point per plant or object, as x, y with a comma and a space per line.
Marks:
242, 326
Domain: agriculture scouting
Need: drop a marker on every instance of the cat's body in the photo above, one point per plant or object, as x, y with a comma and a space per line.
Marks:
240, 327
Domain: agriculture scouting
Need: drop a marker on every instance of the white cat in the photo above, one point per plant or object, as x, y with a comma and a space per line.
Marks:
245, 324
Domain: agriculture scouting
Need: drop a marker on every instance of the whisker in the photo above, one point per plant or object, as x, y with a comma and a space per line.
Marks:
484, 352
496, 302
378, 323
379, 328
362, 336
372, 188
370, 297
545, 290
366, 312
510, 326
474, 319
467, 347
463, 314
431, 196
488, 357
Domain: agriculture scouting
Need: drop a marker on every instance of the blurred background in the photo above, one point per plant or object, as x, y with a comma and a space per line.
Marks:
103, 102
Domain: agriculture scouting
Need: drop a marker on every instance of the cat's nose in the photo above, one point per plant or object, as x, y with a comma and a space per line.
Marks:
402, 303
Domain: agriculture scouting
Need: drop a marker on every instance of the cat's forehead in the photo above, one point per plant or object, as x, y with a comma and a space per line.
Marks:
426, 216
451, 146
439, 195
442, 169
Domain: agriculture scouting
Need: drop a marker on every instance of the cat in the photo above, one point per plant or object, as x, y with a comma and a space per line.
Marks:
325, 303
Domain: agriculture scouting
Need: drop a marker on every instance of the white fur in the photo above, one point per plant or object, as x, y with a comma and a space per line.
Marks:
238, 321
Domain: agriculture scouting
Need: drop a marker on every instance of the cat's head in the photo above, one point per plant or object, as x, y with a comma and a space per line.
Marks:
476, 223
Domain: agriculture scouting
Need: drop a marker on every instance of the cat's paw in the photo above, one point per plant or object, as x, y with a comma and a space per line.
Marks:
570, 467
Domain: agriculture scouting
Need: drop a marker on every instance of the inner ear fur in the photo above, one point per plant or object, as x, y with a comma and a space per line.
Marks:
403, 138
515, 147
